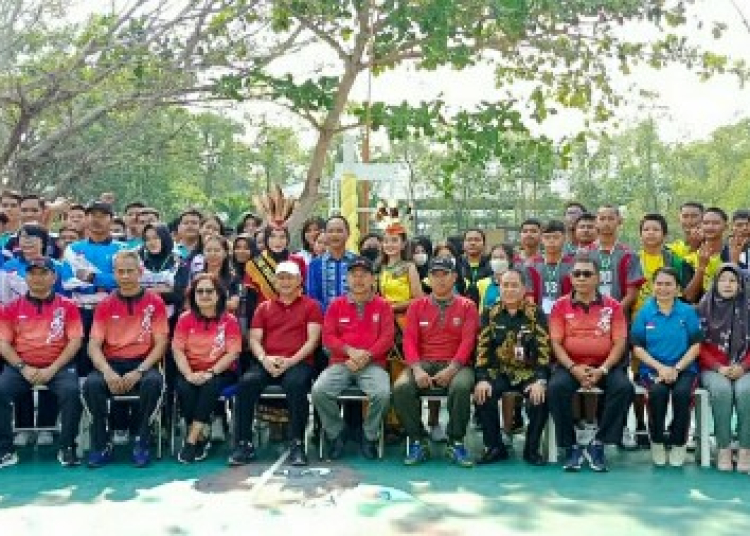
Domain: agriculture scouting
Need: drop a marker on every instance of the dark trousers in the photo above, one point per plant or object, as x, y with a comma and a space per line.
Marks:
296, 383
489, 415
618, 394
197, 402
658, 402
82, 360
64, 385
96, 394
46, 409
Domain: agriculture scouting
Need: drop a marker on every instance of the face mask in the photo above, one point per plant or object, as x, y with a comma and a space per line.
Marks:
499, 265
371, 253
420, 259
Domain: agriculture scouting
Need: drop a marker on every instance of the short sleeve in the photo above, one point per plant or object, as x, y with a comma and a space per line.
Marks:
314, 312
557, 321
99, 325
73, 323
259, 318
6, 328
695, 332
233, 335
619, 324
179, 340
638, 329
161, 320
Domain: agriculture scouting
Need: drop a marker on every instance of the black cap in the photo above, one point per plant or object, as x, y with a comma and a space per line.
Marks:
42, 262
100, 206
442, 263
361, 262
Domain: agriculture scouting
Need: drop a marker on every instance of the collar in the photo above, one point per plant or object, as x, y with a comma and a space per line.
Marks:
290, 304
345, 257
135, 297
598, 300
41, 301
351, 300
448, 302
104, 242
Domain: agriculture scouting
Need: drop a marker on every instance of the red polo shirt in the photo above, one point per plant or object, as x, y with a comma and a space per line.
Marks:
285, 325
39, 330
204, 342
128, 325
587, 334
432, 336
371, 328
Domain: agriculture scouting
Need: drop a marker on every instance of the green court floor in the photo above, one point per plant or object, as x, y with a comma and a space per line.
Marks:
358, 497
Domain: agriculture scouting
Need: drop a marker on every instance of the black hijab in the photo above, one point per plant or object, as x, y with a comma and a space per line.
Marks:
725, 321
164, 260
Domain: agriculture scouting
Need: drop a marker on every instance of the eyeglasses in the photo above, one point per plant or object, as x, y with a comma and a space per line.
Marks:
205, 291
582, 273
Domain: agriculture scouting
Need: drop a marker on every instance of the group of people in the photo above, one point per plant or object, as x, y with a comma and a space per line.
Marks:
96, 311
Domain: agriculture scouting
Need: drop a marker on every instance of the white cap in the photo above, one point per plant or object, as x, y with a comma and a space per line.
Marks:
288, 267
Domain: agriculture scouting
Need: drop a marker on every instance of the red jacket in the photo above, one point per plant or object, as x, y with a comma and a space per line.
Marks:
711, 357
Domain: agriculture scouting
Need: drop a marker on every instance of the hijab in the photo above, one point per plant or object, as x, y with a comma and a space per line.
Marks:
725, 320
281, 255
164, 260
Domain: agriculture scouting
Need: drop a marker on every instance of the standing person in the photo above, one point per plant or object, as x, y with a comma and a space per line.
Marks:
554, 267
438, 343
217, 262
737, 248
284, 335
206, 345
327, 275
573, 211
310, 231
501, 259
589, 338
706, 261
163, 270
531, 239
513, 355
76, 218
422, 248
128, 339
10, 203
40, 334
212, 225
725, 362
666, 336
188, 230
475, 265
148, 216
585, 234
249, 224
358, 333
259, 271
690, 217
133, 228
243, 250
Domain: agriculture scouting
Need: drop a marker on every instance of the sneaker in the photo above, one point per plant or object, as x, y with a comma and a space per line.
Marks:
418, 453
100, 458
595, 456
44, 439
7, 459
369, 449
690, 445
677, 456
659, 454
121, 437
243, 454
217, 430
297, 456
187, 453
141, 453
724, 460
68, 457
202, 447
492, 455
458, 455
437, 434
573, 458
22, 439
743, 460
628, 439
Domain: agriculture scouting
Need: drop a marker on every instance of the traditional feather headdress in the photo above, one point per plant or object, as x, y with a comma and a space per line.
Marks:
275, 208
388, 218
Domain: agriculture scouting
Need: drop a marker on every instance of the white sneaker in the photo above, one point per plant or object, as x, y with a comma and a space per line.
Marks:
44, 439
121, 437
22, 439
628, 439
217, 430
690, 445
658, 454
437, 434
677, 456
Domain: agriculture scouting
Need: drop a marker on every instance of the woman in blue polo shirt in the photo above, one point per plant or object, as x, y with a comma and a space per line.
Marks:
666, 336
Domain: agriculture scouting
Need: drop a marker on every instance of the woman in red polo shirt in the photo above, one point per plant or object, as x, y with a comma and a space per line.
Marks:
206, 344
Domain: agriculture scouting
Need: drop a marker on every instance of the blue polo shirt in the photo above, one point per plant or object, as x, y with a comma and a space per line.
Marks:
666, 337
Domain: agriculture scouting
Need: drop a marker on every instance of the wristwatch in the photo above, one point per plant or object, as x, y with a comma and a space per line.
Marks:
604, 370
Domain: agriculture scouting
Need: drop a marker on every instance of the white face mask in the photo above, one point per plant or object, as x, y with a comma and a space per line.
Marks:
499, 265
420, 259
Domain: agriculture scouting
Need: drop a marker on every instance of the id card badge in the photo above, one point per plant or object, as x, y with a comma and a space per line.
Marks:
605, 290
547, 304
519, 353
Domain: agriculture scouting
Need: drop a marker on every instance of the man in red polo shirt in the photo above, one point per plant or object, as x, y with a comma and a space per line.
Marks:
358, 332
128, 339
283, 337
438, 342
589, 338
40, 334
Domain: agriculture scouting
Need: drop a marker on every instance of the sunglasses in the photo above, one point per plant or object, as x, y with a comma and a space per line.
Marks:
205, 291
582, 273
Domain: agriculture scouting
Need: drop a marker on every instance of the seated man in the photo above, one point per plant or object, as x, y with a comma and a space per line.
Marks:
513, 355
128, 339
284, 335
589, 337
40, 334
358, 331
438, 343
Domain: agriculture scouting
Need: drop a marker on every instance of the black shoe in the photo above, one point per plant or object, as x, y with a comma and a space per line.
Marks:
534, 458
492, 455
336, 447
68, 457
297, 456
201, 449
369, 449
187, 453
642, 439
243, 454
